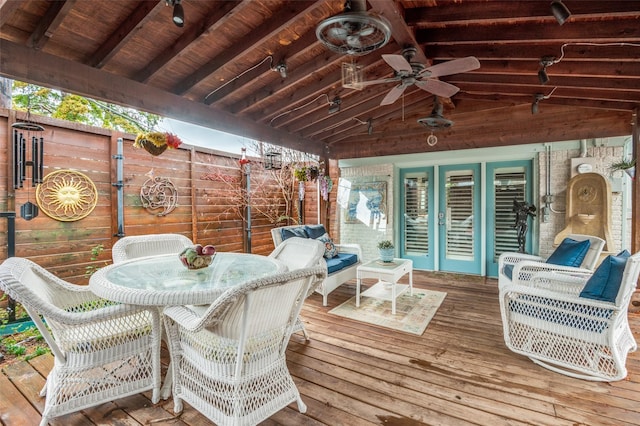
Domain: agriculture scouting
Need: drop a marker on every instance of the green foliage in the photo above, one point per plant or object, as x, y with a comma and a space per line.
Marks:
624, 164
67, 106
95, 255
385, 244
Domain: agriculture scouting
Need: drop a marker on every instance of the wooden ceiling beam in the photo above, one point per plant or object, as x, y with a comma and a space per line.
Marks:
7, 8
625, 30
143, 12
25, 64
565, 81
51, 20
183, 44
285, 17
513, 12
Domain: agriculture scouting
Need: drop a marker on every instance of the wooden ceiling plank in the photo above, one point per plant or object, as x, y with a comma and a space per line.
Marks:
183, 44
36, 67
143, 12
625, 30
51, 20
7, 7
285, 17
294, 75
513, 12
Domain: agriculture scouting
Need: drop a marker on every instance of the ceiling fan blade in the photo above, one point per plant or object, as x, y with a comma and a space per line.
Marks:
438, 88
354, 41
455, 66
366, 31
398, 63
393, 94
338, 33
381, 81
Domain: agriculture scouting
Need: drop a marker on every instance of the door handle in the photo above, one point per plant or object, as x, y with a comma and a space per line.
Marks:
440, 218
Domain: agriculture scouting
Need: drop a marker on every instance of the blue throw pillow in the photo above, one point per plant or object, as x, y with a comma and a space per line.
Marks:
605, 282
570, 253
298, 231
315, 231
330, 250
508, 271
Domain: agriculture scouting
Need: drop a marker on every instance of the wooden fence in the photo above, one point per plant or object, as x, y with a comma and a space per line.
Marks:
208, 185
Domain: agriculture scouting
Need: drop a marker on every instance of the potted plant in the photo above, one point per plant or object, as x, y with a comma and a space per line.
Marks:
627, 166
386, 250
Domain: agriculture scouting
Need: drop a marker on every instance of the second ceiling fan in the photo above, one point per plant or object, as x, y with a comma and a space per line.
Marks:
409, 73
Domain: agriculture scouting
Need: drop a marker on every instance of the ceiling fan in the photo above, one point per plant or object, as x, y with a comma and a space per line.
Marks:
409, 73
355, 32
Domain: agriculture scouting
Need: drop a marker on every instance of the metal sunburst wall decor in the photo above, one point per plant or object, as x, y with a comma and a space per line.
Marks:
159, 193
67, 195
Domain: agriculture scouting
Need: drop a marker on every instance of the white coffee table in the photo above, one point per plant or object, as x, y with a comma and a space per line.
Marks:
388, 274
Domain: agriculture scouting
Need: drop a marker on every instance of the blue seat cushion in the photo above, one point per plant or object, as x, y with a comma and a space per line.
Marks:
508, 271
315, 231
570, 253
298, 231
340, 261
605, 282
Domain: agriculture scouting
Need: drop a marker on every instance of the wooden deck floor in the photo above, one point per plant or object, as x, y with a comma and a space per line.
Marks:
458, 372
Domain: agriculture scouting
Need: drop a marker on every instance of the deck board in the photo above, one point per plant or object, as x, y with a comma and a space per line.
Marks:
350, 373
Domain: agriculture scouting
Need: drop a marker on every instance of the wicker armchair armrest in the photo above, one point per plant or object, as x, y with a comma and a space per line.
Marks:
525, 270
511, 258
558, 282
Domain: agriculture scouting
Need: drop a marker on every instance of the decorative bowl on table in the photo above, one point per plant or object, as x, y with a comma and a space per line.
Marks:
197, 257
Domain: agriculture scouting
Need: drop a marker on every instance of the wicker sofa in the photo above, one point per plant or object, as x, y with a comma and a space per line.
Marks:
341, 268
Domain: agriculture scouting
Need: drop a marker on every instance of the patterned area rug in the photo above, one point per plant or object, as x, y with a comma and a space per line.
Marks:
413, 313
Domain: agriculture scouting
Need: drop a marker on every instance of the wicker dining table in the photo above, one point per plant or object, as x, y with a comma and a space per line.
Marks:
163, 280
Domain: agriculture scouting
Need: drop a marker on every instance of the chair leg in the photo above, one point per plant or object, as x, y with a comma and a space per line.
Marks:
302, 407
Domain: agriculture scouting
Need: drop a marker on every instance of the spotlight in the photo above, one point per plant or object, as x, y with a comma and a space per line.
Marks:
560, 11
370, 126
544, 63
334, 105
178, 12
536, 102
282, 69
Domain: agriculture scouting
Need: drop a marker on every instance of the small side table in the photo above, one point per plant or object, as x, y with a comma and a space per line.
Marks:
388, 274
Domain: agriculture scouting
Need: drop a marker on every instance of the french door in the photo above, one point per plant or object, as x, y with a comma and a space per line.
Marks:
443, 214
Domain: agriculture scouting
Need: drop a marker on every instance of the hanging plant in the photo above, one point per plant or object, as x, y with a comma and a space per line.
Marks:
300, 173
326, 184
155, 143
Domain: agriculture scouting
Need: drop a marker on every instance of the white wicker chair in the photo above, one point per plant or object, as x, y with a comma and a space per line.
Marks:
298, 253
102, 350
229, 364
148, 245
547, 321
526, 265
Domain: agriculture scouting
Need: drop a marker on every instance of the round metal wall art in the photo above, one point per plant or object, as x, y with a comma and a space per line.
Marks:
159, 193
67, 195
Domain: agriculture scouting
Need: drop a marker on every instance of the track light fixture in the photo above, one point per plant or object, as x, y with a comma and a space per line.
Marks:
178, 12
281, 68
334, 105
535, 106
560, 11
545, 62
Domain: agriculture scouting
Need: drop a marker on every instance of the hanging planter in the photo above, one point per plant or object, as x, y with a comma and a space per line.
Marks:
627, 166
155, 143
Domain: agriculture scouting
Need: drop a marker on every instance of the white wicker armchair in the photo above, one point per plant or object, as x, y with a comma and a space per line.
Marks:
548, 321
148, 245
297, 253
229, 363
526, 265
102, 350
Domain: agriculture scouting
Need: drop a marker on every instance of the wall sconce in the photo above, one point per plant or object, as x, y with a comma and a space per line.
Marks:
281, 68
178, 12
560, 11
334, 105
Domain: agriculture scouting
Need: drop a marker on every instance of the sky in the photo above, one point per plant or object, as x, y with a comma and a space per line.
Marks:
203, 137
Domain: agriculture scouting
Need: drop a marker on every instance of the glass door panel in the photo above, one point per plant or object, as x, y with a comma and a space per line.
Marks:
459, 208
416, 223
